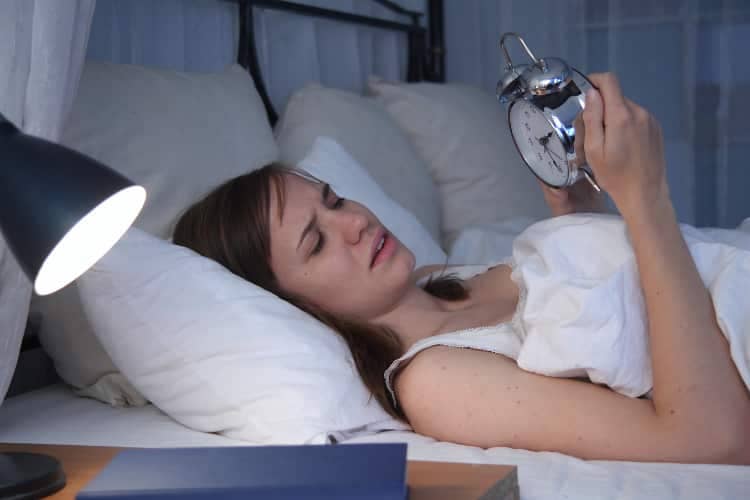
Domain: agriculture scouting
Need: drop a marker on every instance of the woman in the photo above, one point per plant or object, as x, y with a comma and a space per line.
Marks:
333, 258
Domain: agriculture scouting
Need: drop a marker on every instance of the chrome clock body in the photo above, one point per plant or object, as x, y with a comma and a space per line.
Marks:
545, 100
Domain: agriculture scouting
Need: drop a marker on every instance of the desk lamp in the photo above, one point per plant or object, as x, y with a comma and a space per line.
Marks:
60, 212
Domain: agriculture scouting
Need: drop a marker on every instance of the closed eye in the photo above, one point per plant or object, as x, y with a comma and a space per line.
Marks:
319, 245
338, 203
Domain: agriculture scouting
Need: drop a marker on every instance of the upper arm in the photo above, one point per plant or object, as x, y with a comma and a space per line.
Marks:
483, 399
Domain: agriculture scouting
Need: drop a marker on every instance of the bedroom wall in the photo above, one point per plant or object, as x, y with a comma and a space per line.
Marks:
676, 57
200, 35
673, 56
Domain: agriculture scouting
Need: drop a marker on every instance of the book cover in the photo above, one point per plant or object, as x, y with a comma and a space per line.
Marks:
315, 472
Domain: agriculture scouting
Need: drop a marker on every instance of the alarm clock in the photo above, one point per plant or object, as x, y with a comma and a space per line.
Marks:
544, 101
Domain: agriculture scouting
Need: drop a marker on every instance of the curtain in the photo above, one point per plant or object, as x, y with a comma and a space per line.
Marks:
681, 59
201, 35
42, 48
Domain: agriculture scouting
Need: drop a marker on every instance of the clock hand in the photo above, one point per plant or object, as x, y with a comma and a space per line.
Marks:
544, 139
556, 155
549, 153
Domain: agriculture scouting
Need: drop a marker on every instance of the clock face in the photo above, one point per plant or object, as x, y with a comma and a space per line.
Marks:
538, 143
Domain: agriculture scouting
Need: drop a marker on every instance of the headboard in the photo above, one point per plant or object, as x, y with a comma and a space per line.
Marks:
425, 57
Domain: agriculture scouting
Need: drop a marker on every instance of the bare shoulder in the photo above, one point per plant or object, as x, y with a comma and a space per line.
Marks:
483, 399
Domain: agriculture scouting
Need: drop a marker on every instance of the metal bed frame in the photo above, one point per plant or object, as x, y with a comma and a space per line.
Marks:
425, 57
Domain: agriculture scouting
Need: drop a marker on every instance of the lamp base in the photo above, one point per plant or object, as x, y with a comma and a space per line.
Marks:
29, 475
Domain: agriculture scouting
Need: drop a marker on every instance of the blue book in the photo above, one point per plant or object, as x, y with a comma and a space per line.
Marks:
314, 472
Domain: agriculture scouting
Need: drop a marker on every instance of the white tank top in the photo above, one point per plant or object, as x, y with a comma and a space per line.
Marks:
501, 338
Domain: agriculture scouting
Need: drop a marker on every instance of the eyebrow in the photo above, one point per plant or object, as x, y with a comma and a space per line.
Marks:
314, 220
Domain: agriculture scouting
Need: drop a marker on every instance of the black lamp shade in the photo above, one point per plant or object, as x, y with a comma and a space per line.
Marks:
45, 190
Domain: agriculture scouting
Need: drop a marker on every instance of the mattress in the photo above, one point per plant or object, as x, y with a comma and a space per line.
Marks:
54, 415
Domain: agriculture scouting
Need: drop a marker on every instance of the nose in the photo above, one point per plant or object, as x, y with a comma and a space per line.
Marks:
352, 224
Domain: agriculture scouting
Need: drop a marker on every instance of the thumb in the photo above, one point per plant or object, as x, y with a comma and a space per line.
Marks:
593, 119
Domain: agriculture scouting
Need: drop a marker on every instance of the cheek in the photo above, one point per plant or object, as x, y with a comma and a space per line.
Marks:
341, 286
323, 279
336, 293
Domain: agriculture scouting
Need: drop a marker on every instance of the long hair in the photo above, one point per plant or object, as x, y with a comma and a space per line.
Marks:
231, 225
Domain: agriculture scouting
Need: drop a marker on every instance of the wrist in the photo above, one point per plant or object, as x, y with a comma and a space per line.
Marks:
653, 211
640, 201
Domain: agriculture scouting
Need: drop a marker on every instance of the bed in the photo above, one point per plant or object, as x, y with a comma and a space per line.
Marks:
57, 414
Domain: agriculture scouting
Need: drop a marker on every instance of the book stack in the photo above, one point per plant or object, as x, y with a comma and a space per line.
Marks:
330, 472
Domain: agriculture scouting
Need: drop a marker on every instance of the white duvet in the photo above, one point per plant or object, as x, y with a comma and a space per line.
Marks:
582, 312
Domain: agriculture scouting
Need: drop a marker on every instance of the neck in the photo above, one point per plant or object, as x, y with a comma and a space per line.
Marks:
416, 316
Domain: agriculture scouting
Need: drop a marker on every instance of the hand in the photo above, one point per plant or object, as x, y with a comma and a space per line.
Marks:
580, 197
623, 145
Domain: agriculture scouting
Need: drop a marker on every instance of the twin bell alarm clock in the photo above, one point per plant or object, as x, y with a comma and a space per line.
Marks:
544, 100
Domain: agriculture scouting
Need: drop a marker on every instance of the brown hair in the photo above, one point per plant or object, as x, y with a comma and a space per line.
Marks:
231, 226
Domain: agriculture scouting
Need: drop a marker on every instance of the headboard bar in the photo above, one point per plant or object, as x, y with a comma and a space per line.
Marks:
247, 57
393, 6
436, 54
337, 15
420, 60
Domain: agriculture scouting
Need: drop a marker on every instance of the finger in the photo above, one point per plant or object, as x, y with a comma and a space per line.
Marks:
554, 197
610, 90
556, 193
579, 141
636, 110
547, 187
582, 191
593, 119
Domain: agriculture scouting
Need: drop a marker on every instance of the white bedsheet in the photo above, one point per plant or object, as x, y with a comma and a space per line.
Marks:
54, 415
547, 476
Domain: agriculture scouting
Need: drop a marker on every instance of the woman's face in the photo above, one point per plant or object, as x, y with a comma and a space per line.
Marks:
335, 253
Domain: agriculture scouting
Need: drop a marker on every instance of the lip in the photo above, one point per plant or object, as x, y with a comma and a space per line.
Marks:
390, 246
379, 234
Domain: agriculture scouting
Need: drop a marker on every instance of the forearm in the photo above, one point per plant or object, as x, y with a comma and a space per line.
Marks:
696, 385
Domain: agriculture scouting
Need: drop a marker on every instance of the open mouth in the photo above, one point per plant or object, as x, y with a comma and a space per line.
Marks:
381, 247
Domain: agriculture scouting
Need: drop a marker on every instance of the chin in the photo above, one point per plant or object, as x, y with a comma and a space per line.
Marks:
405, 257
412, 261
404, 263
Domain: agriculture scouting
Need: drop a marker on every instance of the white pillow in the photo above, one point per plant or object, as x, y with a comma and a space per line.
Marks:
179, 135
328, 161
363, 129
461, 132
219, 354
488, 243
